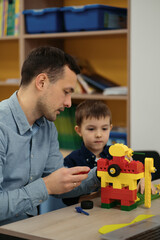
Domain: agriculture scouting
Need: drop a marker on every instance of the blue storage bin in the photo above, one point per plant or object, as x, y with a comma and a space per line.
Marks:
46, 20
94, 17
117, 137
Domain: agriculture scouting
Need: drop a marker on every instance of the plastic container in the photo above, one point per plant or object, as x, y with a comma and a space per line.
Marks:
117, 137
94, 17
46, 20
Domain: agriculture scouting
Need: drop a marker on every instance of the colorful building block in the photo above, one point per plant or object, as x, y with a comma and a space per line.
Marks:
119, 178
149, 168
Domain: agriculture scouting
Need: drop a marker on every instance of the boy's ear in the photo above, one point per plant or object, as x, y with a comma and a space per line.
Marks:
111, 127
78, 130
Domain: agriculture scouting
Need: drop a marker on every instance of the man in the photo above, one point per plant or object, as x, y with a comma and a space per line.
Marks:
31, 166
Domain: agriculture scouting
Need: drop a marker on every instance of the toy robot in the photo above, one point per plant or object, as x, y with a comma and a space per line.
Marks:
119, 178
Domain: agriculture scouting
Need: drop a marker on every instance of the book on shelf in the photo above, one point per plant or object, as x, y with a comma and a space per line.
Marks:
120, 90
79, 89
98, 83
1, 17
17, 18
9, 17
85, 86
94, 79
5, 16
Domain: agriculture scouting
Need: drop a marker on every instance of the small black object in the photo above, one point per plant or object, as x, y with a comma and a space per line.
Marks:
114, 170
87, 204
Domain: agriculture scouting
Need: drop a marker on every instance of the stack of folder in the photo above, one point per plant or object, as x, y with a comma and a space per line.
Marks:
65, 123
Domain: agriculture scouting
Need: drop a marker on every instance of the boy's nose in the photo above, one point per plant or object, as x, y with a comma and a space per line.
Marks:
98, 134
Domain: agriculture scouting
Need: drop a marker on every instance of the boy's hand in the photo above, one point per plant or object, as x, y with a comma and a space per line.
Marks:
128, 158
65, 179
141, 187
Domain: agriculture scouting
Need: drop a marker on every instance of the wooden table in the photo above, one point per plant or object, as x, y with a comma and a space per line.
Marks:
67, 224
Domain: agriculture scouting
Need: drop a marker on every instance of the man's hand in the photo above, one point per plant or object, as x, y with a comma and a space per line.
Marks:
65, 179
141, 187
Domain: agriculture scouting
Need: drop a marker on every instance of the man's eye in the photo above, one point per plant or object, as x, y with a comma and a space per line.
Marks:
66, 92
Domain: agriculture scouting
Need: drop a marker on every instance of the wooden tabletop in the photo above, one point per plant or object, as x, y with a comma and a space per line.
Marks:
67, 224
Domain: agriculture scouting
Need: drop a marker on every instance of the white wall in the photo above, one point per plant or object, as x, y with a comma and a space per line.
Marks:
145, 74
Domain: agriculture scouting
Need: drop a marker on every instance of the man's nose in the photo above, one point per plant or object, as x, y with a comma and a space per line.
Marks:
68, 102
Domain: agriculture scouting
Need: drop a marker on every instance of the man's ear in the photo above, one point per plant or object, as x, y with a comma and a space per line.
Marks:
41, 81
78, 130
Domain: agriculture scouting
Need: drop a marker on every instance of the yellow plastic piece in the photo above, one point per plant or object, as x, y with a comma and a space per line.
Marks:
103, 176
138, 199
157, 186
112, 170
109, 228
119, 150
149, 168
123, 179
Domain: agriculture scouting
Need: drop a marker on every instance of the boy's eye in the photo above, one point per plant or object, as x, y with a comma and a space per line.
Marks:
90, 129
105, 129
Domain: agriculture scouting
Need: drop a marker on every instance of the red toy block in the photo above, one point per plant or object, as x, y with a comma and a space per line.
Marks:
102, 164
124, 195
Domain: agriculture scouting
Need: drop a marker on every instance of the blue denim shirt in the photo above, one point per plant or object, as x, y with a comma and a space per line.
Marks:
26, 155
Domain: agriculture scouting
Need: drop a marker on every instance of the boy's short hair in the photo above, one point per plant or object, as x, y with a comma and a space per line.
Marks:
92, 109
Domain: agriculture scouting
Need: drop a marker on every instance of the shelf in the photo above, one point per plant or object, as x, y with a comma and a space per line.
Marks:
76, 34
105, 50
99, 97
9, 38
4, 84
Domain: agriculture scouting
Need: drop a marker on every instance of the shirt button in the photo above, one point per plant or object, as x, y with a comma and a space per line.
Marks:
92, 156
87, 160
32, 156
31, 178
95, 164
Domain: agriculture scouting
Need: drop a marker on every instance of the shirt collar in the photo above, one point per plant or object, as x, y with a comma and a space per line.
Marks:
19, 116
89, 154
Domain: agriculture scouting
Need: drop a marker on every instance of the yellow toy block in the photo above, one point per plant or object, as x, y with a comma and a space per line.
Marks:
119, 150
149, 168
123, 179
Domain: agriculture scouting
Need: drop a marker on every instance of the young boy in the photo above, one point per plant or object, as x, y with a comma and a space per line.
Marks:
93, 124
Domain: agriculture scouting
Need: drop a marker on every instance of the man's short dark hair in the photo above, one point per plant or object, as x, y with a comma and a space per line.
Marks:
92, 109
49, 60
